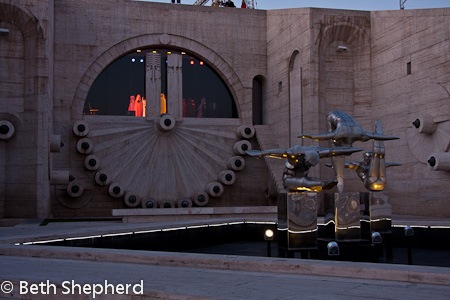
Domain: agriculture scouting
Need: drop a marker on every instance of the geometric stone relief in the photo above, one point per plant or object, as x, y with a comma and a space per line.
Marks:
148, 167
429, 132
423, 144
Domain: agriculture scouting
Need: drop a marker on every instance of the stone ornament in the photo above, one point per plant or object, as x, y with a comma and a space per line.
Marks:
164, 39
7, 130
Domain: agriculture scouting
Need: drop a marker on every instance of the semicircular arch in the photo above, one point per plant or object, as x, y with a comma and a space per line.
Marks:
155, 40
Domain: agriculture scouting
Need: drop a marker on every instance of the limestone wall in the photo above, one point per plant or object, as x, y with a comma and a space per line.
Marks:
419, 38
25, 102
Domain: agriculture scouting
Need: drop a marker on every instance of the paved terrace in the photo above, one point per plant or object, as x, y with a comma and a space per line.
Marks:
166, 275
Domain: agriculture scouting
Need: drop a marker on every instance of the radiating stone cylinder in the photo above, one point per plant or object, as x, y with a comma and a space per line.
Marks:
184, 203
59, 177
74, 189
102, 178
214, 189
115, 190
425, 124
80, 128
240, 147
439, 161
55, 143
85, 146
166, 122
7, 130
166, 203
201, 198
236, 163
227, 177
92, 162
149, 203
245, 132
132, 199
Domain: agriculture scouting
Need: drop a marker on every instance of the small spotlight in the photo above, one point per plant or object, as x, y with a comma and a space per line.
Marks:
268, 235
138, 50
409, 231
183, 53
201, 63
192, 62
142, 60
133, 60
333, 249
376, 238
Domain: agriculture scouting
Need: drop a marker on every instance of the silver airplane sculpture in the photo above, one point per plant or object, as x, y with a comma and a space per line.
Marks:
372, 170
343, 130
299, 160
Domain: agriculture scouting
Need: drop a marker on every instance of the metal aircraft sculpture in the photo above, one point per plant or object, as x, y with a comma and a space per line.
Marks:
343, 130
299, 160
372, 170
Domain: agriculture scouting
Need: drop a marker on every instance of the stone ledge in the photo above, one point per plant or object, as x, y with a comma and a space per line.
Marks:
268, 213
370, 271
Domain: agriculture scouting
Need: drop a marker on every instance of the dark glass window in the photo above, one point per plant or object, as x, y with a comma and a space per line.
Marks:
205, 94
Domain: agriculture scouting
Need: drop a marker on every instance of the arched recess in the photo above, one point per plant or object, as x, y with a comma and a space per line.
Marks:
210, 57
295, 98
24, 96
344, 70
344, 75
258, 100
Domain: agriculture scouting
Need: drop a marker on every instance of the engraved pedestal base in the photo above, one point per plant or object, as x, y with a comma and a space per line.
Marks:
297, 221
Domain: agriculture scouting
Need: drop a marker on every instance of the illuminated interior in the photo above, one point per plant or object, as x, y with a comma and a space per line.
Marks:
120, 89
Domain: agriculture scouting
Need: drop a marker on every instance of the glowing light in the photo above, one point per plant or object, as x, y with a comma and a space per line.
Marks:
147, 231
218, 225
183, 53
303, 231
236, 223
192, 62
196, 226
201, 63
172, 229
168, 52
268, 235
117, 234
133, 60
153, 51
138, 50
83, 237
141, 60
48, 241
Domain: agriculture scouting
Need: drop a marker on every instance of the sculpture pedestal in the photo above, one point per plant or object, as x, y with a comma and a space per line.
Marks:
380, 213
297, 221
347, 216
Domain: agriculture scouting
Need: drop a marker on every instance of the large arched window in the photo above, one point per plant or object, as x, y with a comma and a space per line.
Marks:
121, 88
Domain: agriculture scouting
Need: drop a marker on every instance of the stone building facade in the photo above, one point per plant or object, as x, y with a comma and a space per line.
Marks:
284, 69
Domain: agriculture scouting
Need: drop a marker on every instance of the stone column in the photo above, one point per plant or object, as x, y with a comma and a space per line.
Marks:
174, 85
153, 84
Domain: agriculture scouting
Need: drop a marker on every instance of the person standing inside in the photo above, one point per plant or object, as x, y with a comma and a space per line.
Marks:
131, 106
138, 106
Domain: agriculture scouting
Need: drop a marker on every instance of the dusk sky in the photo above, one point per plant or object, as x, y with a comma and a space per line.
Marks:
338, 4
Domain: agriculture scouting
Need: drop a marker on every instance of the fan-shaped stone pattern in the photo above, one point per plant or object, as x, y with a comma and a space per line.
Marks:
423, 145
163, 165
